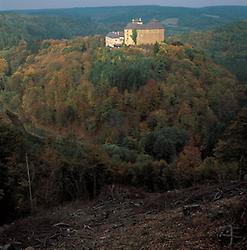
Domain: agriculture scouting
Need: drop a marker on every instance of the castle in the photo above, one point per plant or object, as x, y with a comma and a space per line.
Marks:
114, 39
137, 33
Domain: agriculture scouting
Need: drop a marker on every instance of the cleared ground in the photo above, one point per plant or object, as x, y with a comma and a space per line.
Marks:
203, 217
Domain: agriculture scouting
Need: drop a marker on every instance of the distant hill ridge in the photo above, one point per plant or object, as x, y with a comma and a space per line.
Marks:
227, 45
33, 25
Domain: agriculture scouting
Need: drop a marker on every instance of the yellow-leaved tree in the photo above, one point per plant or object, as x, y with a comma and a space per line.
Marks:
3, 67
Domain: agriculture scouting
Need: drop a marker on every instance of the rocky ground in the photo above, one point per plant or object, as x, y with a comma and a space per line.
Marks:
203, 217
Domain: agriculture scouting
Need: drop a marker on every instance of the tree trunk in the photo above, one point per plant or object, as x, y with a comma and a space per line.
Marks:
29, 184
94, 185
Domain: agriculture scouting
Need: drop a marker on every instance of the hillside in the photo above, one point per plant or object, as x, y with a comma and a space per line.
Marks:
154, 117
137, 147
226, 45
194, 218
80, 84
35, 25
17, 27
186, 18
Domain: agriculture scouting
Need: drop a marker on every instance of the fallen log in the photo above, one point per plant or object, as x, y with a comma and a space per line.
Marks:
189, 209
61, 224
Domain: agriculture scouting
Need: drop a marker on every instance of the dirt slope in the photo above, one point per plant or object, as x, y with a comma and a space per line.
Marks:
205, 217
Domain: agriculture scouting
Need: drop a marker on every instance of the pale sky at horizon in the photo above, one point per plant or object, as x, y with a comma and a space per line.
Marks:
41, 4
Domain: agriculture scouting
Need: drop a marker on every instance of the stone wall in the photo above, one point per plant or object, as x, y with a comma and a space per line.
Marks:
144, 36
127, 37
112, 42
150, 36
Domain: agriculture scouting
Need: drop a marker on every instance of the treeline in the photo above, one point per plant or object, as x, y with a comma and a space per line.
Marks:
35, 25
157, 117
188, 18
64, 169
226, 45
61, 169
34, 28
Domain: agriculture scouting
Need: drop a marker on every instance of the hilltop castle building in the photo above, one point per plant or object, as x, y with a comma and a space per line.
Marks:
137, 33
114, 39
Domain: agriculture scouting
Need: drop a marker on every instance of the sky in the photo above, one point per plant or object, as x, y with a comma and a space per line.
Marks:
40, 4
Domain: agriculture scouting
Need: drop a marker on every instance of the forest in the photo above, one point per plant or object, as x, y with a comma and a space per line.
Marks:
166, 121
37, 25
127, 147
226, 45
82, 116
15, 27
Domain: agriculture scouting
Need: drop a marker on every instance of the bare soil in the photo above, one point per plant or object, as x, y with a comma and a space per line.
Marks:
202, 217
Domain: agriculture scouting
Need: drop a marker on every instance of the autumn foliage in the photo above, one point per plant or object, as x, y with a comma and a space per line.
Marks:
136, 116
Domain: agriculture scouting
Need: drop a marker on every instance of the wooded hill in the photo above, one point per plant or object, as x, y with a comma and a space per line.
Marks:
34, 28
226, 45
36, 25
158, 117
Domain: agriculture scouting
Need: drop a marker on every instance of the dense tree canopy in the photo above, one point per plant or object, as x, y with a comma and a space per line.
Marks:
34, 28
226, 45
232, 148
165, 143
79, 84
148, 116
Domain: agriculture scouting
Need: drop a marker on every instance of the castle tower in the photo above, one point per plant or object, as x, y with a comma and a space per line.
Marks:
136, 33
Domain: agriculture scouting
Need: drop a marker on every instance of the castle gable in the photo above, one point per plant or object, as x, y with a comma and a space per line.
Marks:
115, 34
154, 25
138, 25
137, 33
